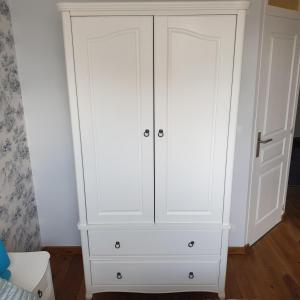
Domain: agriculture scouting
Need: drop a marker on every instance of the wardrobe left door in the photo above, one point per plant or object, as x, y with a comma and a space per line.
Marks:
114, 77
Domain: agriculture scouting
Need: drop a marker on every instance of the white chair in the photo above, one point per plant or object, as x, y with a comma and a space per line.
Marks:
31, 271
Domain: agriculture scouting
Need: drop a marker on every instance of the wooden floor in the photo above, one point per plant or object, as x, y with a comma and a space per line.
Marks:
270, 271
272, 268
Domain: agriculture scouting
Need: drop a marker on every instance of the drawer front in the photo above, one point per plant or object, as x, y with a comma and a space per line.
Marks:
155, 272
150, 242
44, 289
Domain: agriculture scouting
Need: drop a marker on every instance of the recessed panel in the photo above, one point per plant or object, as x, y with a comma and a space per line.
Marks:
268, 193
282, 54
272, 151
116, 109
193, 69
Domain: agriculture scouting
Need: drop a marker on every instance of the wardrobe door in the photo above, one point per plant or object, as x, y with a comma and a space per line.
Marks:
193, 77
114, 77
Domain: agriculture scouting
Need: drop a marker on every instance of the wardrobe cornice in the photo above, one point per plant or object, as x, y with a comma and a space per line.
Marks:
152, 7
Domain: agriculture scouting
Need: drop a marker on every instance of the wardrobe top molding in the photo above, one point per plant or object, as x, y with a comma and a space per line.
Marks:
135, 7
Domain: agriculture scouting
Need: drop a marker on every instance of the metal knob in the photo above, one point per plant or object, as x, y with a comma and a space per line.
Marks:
160, 133
119, 275
191, 244
117, 245
40, 293
191, 275
146, 133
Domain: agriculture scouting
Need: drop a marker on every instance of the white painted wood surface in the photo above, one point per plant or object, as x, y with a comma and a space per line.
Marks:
154, 242
193, 80
204, 94
137, 7
277, 101
238, 54
114, 74
203, 272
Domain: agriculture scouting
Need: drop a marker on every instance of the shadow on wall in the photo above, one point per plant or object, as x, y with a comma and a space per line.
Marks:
294, 176
297, 123
19, 227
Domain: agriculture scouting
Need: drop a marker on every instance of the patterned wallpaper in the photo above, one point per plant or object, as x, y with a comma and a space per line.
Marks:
19, 226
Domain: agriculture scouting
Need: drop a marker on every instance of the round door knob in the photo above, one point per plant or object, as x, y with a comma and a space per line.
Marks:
119, 275
40, 293
160, 133
146, 133
191, 275
117, 245
191, 244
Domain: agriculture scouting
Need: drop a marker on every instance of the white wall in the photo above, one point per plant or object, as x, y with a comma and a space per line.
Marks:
239, 204
40, 56
39, 45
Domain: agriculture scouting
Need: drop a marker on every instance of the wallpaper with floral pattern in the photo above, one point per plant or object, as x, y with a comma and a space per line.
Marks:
19, 226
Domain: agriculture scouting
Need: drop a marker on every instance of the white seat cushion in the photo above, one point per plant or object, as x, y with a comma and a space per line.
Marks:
28, 268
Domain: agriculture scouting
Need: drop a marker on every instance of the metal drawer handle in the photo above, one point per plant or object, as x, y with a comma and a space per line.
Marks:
146, 133
160, 133
119, 275
191, 244
191, 275
40, 293
117, 245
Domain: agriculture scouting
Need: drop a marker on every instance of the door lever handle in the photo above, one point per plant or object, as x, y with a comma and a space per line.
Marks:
259, 142
265, 141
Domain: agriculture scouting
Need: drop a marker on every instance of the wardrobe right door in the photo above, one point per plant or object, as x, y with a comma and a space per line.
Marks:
193, 75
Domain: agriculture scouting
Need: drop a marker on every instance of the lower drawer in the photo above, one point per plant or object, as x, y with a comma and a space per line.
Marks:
44, 290
155, 272
111, 242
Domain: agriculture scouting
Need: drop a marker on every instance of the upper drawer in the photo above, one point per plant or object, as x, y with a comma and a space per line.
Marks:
158, 242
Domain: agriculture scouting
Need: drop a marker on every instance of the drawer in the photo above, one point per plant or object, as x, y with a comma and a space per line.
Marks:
155, 272
154, 242
44, 289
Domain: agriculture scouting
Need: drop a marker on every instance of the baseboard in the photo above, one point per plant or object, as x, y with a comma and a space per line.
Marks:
239, 250
77, 250
63, 250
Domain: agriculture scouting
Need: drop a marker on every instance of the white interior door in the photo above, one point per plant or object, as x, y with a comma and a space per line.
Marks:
275, 119
193, 77
114, 75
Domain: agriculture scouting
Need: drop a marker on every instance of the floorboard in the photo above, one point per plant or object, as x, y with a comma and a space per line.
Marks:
269, 271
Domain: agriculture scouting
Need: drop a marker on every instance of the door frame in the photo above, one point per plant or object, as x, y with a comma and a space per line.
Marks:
268, 10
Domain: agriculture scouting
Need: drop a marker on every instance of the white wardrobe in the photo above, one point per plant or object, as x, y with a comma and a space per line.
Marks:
154, 90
